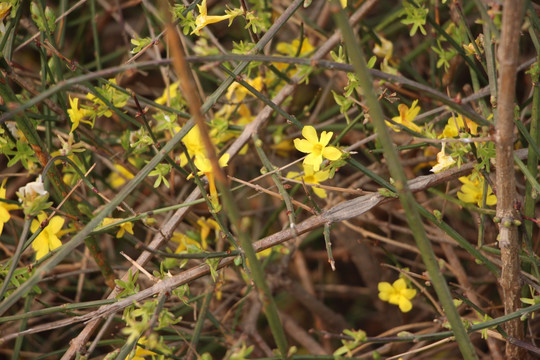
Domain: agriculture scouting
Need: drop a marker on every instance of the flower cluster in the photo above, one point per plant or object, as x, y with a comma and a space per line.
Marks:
472, 190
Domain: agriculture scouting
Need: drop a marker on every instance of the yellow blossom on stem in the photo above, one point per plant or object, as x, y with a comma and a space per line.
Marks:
47, 240
77, 115
204, 166
5, 207
119, 177
406, 117
203, 19
169, 93
236, 92
385, 49
184, 242
141, 352
312, 177
291, 49
315, 148
397, 294
283, 147
455, 124
194, 145
206, 226
472, 191
124, 227
443, 161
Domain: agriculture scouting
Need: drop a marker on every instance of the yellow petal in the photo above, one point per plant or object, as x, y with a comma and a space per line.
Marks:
310, 134
314, 160
326, 137
4, 216
303, 145
214, 19
293, 174
40, 246
224, 159
399, 284
54, 242
55, 225
321, 176
331, 153
409, 293
405, 305
319, 192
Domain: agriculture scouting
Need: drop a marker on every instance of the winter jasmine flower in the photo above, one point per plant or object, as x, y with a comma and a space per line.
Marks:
119, 177
312, 177
47, 240
397, 294
455, 124
204, 166
206, 226
315, 148
185, 243
443, 161
406, 117
77, 115
472, 191
5, 207
169, 93
204, 19
124, 227
32, 190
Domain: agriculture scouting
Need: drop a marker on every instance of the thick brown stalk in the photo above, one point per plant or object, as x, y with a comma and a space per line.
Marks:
509, 240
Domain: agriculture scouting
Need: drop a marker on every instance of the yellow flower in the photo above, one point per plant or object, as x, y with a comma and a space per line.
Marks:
455, 124
203, 19
77, 115
5, 207
315, 148
406, 117
397, 294
168, 94
312, 177
283, 147
443, 161
237, 92
141, 352
291, 49
194, 145
109, 92
385, 49
185, 242
472, 191
207, 225
5, 7
124, 227
119, 177
47, 240
204, 166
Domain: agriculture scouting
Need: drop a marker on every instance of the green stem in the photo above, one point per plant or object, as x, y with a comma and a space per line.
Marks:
16, 256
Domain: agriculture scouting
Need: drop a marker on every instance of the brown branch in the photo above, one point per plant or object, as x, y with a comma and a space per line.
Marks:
509, 240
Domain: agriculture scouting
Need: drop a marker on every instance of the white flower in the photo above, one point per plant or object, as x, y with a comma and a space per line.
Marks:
443, 161
32, 189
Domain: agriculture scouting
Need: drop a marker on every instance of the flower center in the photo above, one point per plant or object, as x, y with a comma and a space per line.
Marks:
317, 149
